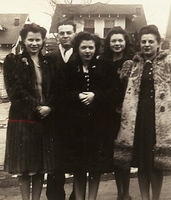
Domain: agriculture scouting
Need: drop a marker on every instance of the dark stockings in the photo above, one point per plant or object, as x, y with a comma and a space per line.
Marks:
80, 180
37, 183
122, 177
154, 179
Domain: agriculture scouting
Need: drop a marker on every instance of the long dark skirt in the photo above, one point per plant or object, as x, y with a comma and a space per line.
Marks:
23, 147
87, 146
145, 123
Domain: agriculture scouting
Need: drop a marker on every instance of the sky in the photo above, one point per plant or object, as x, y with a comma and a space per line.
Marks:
156, 11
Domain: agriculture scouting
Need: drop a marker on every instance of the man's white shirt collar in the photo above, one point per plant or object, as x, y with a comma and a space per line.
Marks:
68, 53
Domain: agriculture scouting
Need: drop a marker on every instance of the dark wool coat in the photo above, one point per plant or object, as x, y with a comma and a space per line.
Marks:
26, 131
56, 58
119, 86
89, 136
60, 111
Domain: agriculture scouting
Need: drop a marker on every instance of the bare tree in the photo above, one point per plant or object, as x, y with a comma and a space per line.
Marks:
68, 1
53, 3
87, 1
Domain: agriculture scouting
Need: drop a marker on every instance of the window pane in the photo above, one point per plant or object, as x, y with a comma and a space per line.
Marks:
109, 23
90, 30
89, 23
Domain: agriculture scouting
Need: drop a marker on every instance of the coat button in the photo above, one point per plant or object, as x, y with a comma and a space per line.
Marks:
162, 109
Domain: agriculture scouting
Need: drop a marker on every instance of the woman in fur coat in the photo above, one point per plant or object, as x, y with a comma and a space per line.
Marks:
144, 139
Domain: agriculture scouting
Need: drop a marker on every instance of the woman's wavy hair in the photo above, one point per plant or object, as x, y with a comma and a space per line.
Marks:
117, 30
150, 29
35, 28
85, 36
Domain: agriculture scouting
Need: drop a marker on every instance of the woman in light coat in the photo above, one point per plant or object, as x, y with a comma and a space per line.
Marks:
146, 113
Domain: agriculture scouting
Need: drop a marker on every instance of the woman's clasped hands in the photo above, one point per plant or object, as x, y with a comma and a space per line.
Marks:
86, 97
43, 111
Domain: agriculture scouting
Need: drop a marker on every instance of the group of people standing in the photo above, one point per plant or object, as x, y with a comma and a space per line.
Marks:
78, 110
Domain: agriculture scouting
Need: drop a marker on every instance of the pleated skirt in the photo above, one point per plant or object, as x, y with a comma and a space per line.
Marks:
24, 147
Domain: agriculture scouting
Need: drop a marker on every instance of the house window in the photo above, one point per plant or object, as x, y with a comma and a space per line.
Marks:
89, 25
109, 24
138, 11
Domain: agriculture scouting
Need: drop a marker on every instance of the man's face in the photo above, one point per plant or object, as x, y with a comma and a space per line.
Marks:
65, 35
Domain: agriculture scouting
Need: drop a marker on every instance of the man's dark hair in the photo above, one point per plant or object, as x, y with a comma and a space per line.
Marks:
67, 22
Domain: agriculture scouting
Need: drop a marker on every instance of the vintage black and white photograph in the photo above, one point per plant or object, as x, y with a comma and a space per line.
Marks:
85, 100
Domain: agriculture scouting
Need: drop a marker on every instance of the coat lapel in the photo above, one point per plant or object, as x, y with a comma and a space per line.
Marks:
29, 72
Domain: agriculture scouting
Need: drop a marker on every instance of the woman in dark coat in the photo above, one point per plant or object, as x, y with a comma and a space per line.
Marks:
89, 111
28, 78
117, 49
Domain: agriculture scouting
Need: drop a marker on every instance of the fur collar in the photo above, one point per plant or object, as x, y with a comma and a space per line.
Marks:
160, 56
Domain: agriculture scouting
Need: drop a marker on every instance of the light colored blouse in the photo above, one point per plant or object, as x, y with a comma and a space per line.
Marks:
38, 72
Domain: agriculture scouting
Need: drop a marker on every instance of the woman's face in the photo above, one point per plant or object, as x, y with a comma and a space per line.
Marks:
149, 45
87, 50
117, 43
33, 42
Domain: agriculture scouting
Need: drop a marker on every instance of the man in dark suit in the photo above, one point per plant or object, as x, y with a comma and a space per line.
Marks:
66, 31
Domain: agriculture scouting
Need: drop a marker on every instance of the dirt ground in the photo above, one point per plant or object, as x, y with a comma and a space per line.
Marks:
107, 191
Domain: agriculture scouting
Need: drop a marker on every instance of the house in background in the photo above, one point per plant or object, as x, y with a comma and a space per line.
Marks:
10, 26
168, 33
99, 18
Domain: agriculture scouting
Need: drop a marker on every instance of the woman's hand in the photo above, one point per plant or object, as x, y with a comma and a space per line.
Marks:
43, 111
86, 97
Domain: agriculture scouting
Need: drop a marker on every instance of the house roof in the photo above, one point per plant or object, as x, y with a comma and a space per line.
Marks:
97, 8
9, 32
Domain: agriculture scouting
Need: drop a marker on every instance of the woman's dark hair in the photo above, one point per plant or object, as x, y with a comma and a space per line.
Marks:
117, 30
35, 28
150, 29
86, 36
